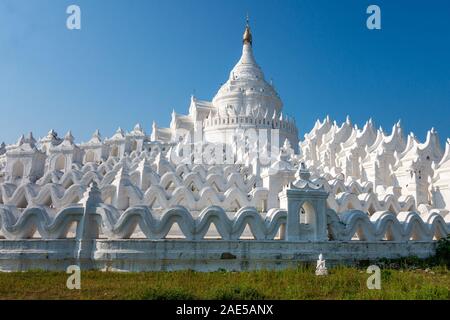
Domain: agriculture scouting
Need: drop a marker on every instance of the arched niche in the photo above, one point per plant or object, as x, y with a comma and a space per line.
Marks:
90, 156
18, 170
60, 163
307, 213
134, 145
115, 151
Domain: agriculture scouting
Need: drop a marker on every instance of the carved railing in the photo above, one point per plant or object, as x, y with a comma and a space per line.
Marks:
107, 221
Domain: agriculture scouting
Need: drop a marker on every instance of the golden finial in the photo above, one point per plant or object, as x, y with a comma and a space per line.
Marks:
247, 38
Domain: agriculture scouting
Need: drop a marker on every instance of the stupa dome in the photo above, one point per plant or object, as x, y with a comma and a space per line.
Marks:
246, 88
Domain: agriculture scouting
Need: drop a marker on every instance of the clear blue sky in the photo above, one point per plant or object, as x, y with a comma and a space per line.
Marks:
135, 60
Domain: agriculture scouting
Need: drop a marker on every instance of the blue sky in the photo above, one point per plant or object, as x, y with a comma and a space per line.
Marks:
135, 60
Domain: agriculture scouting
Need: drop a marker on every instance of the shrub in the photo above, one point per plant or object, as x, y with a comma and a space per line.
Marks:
443, 251
429, 292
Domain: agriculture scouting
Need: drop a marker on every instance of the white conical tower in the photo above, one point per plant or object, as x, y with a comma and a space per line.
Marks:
246, 85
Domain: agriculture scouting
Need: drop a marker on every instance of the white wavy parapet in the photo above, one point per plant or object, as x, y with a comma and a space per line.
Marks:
55, 196
144, 175
350, 225
192, 187
15, 225
385, 226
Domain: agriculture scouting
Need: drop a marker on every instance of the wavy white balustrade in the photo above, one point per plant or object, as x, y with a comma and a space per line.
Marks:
343, 197
381, 226
196, 189
384, 225
29, 195
16, 225
194, 228
56, 196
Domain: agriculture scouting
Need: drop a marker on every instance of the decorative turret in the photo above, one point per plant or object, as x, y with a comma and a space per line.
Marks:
135, 139
305, 202
119, 134
50, 140
96, 136
137, 130
94, 150
24, 162
117, 144
440, 188
62, 156
122, 183
69, 137
154, 134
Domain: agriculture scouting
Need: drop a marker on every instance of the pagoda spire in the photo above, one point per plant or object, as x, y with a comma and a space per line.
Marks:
247, 37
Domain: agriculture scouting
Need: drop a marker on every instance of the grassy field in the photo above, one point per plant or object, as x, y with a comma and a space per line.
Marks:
301, 283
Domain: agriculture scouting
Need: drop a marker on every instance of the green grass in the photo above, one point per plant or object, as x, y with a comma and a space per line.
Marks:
301, 283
